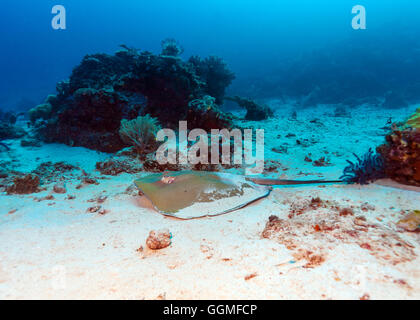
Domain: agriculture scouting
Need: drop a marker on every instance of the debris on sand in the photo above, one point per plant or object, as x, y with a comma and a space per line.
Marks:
314, 226
94, 209
250, 276
59, 188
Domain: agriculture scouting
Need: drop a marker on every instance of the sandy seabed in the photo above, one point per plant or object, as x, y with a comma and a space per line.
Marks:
344, 245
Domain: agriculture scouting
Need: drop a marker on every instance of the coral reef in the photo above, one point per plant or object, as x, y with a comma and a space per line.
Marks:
255, 112
215, 75
367, 169
104, 89
140, 133
203, 113
9, 117
14, 182
171, 47
152, 165
42, 111
401, 154
113, 167
8, 129
24, 185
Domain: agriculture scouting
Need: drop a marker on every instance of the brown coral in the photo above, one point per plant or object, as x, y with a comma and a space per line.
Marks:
401, 155
159, 239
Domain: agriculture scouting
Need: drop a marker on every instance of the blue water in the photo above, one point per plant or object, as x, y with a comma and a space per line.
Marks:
259, 40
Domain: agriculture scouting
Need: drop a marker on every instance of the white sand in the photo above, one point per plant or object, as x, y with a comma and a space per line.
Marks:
55, 249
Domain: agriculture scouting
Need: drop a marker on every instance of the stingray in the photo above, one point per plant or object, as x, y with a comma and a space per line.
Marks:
196, 194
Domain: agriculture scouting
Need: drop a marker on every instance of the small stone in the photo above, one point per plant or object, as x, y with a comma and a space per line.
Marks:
94, 209
366, 296
367, 207
250, 276
103, 211
30, 142
90, 181
360, 221
102, 199
59, 188
159, 239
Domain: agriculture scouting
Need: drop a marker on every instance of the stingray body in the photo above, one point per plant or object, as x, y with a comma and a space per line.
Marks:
195, 194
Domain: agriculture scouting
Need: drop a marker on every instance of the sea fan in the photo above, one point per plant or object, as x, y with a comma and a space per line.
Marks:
171, 48
140, 132
365, 170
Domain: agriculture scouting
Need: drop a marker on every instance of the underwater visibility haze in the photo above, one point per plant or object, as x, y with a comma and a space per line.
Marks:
210, 149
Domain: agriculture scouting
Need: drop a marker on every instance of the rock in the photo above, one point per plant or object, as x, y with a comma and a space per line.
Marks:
360, 221
90, 181
42, 111
48, 197
10, 131
102, 212
159, 239
30, 142
321, 162
59, 188
255, 111
94, 209
411, 222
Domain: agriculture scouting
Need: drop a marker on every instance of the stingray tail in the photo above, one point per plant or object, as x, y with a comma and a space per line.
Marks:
5, 146
279, 182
